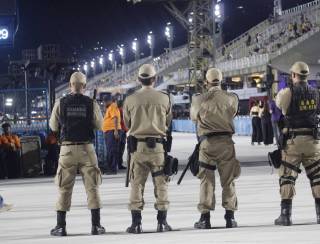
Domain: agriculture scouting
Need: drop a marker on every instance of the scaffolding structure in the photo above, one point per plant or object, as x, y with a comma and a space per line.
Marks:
199, 19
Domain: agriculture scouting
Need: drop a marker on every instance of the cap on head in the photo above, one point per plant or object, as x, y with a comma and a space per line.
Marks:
147, 71
300, 68
78, 77
214, 75
5, 125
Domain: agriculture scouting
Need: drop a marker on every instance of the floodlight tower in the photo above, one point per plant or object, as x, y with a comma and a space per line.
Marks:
199, 18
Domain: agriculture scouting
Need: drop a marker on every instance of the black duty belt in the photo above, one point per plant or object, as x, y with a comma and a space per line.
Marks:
157, 140
213, 134
75, 143
223, 133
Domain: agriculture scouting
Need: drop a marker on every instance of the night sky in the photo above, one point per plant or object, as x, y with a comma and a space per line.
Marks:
82, 23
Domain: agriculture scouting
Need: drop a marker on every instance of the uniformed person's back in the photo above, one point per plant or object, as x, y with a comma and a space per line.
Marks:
149, 108
213, 113
300, 105
77, 116
147, 114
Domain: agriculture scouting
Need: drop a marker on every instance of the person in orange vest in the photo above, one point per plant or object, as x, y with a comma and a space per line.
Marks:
111, 127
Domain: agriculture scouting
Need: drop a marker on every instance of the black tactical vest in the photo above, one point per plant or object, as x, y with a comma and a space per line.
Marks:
303, 107
76, 116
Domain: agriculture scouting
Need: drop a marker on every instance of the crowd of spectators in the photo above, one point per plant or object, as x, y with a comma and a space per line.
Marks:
274, 37
271, 41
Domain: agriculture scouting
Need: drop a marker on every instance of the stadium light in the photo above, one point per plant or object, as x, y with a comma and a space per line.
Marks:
9, 102
218, 10
169, 34
92, 64
85, 67
101, 60
150, 41
122, 53
111, 56
190, 18
135, 48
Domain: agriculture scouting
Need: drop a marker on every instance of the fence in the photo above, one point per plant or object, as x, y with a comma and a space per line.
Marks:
242, 126
26, 110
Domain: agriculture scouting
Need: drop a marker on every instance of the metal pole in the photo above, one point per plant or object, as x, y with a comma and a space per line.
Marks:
47, 112
26, 93
170, 45
214, 40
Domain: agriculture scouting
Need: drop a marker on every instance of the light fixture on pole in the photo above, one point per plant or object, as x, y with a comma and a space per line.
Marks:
112, 59
85, 67
136, 49
122, 53
191, 18
93, 65
169, 34
150, 41
101, 62
9, 102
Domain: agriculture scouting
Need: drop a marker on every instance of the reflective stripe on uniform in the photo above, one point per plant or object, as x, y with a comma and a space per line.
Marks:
315, 164
287, 180
290, 166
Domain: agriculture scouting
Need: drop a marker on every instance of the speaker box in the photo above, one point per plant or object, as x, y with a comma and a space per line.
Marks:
30, 156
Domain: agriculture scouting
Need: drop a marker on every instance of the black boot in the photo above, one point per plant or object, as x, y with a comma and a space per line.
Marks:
317, 200
96, 229
204, 222
285, 216
230, 221
162, 222
60, 229
136, 227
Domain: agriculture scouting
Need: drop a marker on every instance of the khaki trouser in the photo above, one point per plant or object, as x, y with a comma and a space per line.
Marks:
143, 162
305, 150
219, 152
73, 158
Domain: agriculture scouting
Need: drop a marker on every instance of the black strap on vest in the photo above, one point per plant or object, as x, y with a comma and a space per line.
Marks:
290, 166
207, 166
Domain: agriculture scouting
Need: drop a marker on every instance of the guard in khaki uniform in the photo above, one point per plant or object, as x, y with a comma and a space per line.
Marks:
147, 114
77, 116
300, 106
213, 112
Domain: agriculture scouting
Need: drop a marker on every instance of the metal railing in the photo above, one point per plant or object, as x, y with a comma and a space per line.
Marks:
301, 7
245, 62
